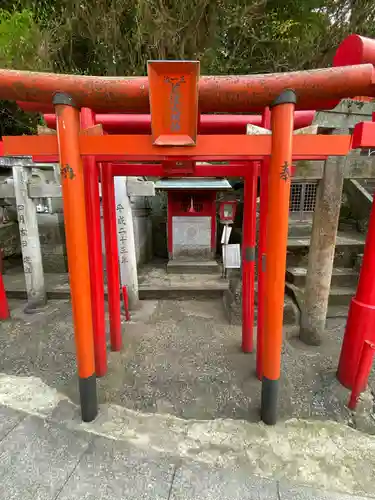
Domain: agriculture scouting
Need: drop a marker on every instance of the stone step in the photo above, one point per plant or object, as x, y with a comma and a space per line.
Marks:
179, 287
299, 229
193, 267
338, 311
341, 276
341, 296
348, 245
369, 185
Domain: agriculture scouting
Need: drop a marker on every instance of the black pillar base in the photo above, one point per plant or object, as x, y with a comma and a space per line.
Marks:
88, 398
270, 393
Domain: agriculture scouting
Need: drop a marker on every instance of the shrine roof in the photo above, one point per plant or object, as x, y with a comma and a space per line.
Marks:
193, 183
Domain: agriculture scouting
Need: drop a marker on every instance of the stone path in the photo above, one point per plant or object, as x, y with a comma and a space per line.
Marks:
181, 358
41, 459
180, 395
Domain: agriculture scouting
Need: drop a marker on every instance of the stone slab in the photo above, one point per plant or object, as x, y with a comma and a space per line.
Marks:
201, 482
57, 284
288, 492
193, 267
191, 237
9, 419
343, 240
112, 470
156, 283
341, 276
37, 458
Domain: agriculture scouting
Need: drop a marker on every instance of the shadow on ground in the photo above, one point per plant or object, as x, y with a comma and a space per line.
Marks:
182, 358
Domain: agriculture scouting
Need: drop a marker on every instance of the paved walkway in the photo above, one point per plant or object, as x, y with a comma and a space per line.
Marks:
178, 414
41, 459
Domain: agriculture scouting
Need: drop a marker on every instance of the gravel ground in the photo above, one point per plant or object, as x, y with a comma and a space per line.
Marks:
182, 358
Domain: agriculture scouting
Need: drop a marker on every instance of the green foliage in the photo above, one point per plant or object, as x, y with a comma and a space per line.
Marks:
21, 42
13, 121
23, 45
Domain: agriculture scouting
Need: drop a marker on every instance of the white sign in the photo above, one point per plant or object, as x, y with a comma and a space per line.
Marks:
255, 130
232, 256
191, 236
226, 234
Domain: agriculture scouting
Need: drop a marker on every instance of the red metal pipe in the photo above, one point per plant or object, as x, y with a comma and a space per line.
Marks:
262, 244
73, 191
209, 124
169, 225
150, 170
355, 49
248, 256
315, 89
4, 307
233, 169
37, 107
94, 242
126, 302
213, 224
277, 238
111, 253
360, 325
363, 372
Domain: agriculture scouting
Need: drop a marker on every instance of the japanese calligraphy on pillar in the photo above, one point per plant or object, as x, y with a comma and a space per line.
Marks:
29, 238
122, 233
23, 237
125, 239
285, 172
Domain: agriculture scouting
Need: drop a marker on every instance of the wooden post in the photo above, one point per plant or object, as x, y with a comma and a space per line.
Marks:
126, 243
30, 244
322, 251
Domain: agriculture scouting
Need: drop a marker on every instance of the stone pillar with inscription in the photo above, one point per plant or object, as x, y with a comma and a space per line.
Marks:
322, 251
30, 245
126, 242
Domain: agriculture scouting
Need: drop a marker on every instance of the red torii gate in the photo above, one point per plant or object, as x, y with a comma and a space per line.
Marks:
170, 143
316, 89
141, 124
208, 124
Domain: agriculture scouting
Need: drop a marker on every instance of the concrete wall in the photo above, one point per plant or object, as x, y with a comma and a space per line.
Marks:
358, 203
52, 242
142, 229
52, 237
158, 214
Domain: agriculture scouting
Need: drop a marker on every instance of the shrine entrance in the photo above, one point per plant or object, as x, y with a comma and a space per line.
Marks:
174, 148
191, 217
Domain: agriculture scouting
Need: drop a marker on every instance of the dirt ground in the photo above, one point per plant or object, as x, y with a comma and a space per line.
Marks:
183, 358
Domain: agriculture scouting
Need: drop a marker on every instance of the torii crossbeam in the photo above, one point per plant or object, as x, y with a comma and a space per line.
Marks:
173, 93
